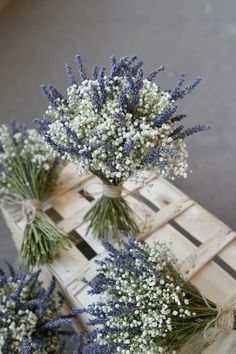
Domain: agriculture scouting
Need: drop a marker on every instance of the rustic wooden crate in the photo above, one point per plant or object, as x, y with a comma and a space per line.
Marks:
203, 244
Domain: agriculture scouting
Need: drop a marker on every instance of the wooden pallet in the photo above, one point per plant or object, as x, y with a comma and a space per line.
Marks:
204, 246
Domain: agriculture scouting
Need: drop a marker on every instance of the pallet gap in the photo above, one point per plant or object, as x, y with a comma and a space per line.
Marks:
86, 195
53, 215
146, 201
217, 259
184, 232
82, 245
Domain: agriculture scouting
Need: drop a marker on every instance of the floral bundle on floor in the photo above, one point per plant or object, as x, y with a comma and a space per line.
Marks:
145, 305
118, 126
30, 317
28, 174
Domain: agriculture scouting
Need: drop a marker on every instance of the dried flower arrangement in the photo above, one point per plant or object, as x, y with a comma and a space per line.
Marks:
28, 174
118, 127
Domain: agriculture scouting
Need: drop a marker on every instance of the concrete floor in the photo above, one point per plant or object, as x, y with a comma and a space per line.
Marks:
198, 37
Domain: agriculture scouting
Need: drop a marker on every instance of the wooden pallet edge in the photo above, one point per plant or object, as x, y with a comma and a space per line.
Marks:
164, 215
206, 252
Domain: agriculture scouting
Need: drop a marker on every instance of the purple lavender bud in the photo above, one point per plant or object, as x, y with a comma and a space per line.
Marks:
25, 346
71, 77
178, 118
55, 93
120, 119
164, 116
95, 72
101, 82
123, 100
177, 130
131, 59
50, 288
155, 72
190, 131
96, 98
61, 322
131, 86
43, 125
47, 94
128, 147
71, 133
193, 84
80, 67
136, 67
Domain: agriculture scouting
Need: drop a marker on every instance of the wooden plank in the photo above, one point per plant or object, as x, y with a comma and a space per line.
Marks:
75, 220
175, 241
228, 254
68, 179
94, 243
200, 223
166, 214
205, 253
68, 264
162, 193
214, 282
69, 203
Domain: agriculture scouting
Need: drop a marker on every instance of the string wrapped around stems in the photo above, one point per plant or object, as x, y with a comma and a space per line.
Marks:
111, 214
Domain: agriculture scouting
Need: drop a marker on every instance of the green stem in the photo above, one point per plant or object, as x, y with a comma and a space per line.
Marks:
110, 216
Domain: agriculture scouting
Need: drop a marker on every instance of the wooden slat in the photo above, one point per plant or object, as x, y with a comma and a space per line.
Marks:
68, 264
228, 254
69, 179
75, 220
179, 246
166, 214
214, 283
205, 253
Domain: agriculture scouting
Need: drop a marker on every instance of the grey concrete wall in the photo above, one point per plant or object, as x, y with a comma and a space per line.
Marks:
198, 37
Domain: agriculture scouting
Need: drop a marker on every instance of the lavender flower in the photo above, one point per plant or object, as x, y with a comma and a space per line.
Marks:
30, 319
190, 131
71, 77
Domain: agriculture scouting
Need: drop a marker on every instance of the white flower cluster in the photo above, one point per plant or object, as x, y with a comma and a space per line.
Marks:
160, 304
117, 141
23, 322
27, 149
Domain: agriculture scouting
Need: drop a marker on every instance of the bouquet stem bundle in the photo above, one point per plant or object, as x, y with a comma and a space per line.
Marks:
111, 214
28, 174
42, 240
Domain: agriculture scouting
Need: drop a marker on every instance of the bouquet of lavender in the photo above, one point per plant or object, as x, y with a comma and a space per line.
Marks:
146, 306
28, 174
30, 316
118, 126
